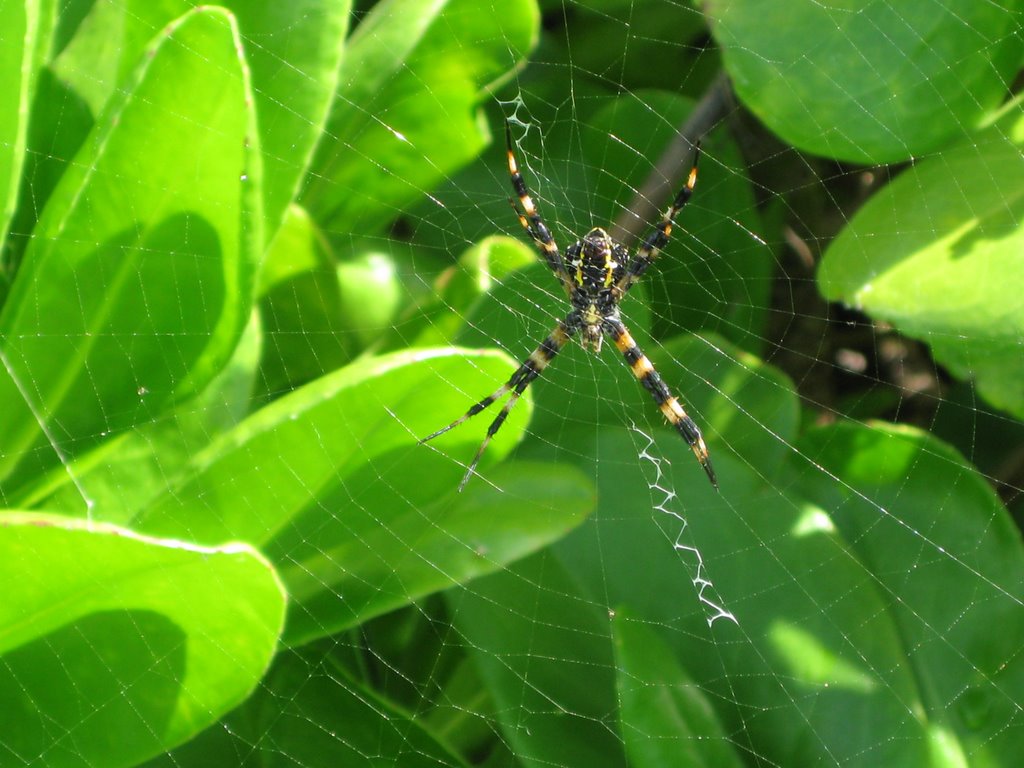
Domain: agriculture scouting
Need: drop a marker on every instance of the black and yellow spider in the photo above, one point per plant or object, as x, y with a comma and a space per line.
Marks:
596, 273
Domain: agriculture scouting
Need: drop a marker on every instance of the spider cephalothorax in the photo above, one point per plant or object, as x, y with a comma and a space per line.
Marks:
595, 265
596, 272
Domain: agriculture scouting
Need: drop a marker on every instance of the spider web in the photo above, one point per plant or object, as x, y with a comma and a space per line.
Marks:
851, 595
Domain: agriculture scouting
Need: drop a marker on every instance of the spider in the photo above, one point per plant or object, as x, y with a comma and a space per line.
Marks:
596, 272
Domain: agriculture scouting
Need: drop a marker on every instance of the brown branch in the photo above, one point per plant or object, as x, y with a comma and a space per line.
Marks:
672, 166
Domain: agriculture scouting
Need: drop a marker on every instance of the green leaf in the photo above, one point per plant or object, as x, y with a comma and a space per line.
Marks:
792, 676
296, 248
107, 43
159, 211
291, 99
59, 125
544, 651
319, 312
26, 34
116, 647
406, 113
915, 563
463, 286
348, 427
301, 307
666, 719
330, 483
937, 253
295, 50
115, 480
742, 405
331, 719
388, 560
310, 711
875, 82
19, 27
772, 560
949, 559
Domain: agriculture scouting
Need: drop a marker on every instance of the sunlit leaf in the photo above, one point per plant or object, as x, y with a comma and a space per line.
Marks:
463, 286
116, 479
292, 48
115, 647
950, 561
406, 112
330, 483
385, 563
665, 719
159, 211
869, 82
301, 307
937, 253
545, 653
19, 41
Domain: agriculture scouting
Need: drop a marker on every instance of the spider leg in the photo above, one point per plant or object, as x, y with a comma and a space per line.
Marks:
658, 237
530, 219
517, 384
654, 384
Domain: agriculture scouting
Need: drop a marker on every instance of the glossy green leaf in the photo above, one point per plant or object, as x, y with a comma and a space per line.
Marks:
951, 563
331, 719
26, 33
406, 112
115, 480
19, 22
875, 82
301, 308
742, 405
295, 248
330, 483
464, 285
107, 43
390, 559
310, 711
116, 647
544, 651
773, 561
665, 719
293, 49
937, 254
159, 211
59, 125
359, 291
353, 425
